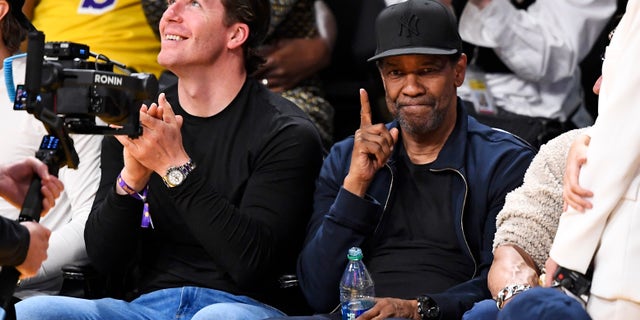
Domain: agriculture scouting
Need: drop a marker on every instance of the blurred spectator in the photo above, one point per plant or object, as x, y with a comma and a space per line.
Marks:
116, 29
525, 58
296, 48
349, 70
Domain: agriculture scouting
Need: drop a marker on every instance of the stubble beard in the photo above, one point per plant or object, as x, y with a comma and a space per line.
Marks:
419, 125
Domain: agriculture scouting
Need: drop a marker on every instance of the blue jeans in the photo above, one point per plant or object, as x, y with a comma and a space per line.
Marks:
482, 310
175, 303
533, 304
333, 316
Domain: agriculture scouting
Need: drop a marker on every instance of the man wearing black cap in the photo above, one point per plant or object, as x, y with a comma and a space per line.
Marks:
420, 194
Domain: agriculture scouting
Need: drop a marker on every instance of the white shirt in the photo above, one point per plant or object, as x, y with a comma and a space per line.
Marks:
543, 46
22, 134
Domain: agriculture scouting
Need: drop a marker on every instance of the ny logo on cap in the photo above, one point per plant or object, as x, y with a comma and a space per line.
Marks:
409, 25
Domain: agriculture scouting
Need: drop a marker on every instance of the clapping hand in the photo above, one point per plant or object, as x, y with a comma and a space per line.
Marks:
158, 148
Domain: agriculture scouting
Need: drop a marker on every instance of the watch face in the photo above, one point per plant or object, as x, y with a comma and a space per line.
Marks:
433, 312
427, 308
175, 177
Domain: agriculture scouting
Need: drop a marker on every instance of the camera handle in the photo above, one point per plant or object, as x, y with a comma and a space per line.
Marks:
52, 154
9, 275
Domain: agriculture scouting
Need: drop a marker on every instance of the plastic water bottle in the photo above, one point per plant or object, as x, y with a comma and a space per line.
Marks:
356, 287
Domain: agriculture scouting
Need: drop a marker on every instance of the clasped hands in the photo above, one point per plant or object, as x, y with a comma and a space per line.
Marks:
158, 148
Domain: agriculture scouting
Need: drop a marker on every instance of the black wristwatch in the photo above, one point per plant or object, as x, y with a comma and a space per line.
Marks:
427, 308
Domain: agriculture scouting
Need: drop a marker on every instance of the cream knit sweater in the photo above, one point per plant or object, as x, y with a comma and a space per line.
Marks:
529, 218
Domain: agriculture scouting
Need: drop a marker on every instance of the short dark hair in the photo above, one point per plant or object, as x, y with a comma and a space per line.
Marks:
257, 15
12, 33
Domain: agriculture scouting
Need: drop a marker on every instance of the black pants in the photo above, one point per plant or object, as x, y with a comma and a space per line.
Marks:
535, 130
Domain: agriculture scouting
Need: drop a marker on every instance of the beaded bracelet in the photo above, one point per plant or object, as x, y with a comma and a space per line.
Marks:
146, 216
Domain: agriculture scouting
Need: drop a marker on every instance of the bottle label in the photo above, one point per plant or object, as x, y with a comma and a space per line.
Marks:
354, 308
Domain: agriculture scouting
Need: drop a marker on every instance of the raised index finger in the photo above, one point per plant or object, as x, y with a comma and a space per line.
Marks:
365, 109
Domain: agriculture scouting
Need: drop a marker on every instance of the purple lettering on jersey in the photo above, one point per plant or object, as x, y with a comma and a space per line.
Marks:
96, 4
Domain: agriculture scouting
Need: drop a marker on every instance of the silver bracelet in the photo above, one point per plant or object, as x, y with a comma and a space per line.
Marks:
508, 292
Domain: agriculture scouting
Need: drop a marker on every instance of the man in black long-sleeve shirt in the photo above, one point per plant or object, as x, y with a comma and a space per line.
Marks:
227, 169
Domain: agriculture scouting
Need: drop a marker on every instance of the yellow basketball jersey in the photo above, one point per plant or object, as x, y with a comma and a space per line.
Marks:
117, 29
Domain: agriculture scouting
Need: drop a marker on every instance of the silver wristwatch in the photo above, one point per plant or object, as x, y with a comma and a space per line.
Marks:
176, 175
508, 292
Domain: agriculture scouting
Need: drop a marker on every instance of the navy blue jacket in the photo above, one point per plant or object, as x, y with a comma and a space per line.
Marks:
487, 164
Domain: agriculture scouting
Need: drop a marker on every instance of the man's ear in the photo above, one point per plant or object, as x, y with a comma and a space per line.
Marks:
460, 70
239, 35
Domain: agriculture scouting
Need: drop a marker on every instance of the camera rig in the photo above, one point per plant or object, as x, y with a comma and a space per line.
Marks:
67, 92
61, 81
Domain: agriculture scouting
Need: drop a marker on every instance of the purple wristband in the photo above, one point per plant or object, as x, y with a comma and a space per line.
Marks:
146, 216
131, 191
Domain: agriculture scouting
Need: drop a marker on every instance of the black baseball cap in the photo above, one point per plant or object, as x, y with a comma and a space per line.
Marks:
16, 12
416, 27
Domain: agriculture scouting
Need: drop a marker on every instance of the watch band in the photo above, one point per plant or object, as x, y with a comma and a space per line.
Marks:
508, 292
428, 308
182, 170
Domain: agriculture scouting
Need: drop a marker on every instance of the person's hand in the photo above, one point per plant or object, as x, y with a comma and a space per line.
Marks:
573, 194
372, 147
160, 145
37, 253
392, 308
550, 267
510, 265
134, 173
290, 61
16, 178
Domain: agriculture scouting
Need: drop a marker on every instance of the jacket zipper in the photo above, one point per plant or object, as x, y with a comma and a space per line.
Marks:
386, 201
464, 203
